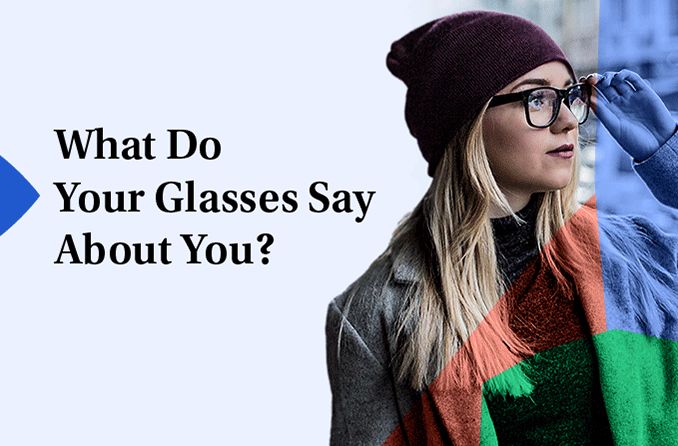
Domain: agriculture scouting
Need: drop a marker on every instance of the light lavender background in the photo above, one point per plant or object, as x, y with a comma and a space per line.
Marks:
194, 355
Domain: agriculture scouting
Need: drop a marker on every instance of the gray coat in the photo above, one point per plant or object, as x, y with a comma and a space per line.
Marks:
367, 404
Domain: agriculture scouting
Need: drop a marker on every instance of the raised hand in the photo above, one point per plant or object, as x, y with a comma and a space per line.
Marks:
631, 111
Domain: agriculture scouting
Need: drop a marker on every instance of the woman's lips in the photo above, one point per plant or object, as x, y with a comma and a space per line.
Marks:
563, 154
564, 151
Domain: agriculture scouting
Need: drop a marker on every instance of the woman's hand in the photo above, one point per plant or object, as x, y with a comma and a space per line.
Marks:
631, 111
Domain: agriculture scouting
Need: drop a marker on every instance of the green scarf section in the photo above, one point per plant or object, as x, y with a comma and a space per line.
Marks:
638, 384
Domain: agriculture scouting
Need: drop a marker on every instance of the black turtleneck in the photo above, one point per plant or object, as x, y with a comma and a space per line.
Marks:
516, 243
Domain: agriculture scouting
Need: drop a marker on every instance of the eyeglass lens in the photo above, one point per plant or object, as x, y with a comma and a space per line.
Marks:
543, 105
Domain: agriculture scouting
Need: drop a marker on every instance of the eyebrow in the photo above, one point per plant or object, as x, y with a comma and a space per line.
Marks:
539, 81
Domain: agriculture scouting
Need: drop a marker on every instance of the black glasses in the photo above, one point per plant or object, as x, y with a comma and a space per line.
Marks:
542, 104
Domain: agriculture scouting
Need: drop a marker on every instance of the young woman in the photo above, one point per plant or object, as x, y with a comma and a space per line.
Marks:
502, 312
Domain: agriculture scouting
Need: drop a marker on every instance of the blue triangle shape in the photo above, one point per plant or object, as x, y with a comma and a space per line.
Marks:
17, 195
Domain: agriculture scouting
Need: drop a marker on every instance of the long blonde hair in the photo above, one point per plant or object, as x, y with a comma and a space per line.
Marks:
460, 283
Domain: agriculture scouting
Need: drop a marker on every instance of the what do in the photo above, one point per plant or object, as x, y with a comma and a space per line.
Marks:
183, 144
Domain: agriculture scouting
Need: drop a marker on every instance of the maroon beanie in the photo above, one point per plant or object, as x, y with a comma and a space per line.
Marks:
453, 65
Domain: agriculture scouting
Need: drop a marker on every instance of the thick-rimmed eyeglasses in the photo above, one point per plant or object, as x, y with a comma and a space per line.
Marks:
542, 104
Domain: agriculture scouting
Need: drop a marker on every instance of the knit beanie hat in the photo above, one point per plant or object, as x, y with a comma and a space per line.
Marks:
453, 65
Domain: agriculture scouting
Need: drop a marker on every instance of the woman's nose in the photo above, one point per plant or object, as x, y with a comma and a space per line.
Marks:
565, 120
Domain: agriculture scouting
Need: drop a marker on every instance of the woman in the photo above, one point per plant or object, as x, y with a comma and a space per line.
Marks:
502, 312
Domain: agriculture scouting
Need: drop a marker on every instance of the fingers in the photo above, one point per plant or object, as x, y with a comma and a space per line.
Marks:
606, 88
633, 79
622, 85
592, 78
600, 84
595, 80
613, 85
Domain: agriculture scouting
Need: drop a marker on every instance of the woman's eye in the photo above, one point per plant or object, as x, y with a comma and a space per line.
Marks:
541, 98
536, 101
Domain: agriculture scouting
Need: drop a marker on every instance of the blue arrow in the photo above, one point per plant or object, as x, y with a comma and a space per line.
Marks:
17, 195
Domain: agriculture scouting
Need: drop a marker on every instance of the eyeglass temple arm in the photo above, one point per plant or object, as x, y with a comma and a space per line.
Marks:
506, 98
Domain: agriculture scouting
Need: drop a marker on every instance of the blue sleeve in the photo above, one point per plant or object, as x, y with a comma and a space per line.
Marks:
660, 172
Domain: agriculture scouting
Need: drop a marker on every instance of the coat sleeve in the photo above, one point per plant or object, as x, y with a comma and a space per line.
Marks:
660, 172
364, 410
